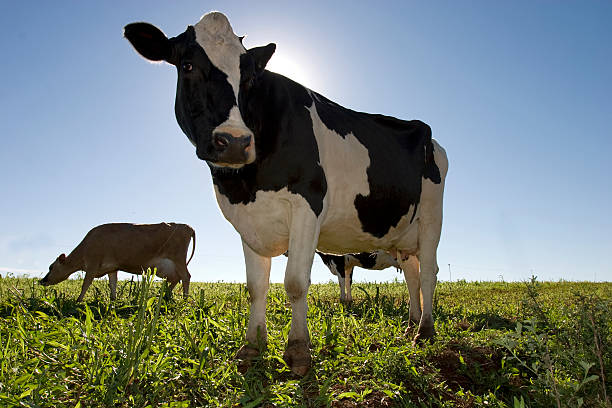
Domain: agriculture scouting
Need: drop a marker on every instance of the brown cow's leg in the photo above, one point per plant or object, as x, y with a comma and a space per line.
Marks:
185, 277
89, 277
186, 280
112, 284
171, 285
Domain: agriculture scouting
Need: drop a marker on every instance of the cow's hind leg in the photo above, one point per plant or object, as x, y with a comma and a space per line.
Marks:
410, 266
167, 268
430, 227
429, 236
302, 242
185, 277
112, 284
186, 280
258, 282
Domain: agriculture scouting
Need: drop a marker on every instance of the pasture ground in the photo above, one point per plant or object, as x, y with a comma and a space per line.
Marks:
499, 344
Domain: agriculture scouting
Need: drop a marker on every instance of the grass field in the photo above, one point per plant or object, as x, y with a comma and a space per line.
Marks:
498, 345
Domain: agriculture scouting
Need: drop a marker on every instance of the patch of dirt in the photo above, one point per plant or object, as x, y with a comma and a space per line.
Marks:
477, 362
463, 325
375, 399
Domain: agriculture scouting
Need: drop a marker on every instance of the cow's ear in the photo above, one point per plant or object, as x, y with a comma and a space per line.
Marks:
149, 41
261, 56
62, 258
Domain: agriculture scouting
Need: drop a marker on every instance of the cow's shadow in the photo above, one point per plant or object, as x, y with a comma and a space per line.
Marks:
376, 304
265, 372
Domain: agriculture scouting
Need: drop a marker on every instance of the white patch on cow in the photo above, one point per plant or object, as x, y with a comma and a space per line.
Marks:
214, 33
384, 260
345, 162
264, 223
334, 269
234, 125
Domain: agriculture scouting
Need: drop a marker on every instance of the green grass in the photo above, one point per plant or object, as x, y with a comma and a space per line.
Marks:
498, 345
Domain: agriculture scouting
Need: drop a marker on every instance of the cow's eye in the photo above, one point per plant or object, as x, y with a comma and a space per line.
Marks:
187, 67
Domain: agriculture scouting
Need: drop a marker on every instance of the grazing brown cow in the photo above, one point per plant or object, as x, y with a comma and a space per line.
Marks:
132, 248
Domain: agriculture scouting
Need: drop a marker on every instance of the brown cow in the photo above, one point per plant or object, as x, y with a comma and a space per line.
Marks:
132, 248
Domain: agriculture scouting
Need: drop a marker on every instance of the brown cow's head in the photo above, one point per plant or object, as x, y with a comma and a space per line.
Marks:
58, 272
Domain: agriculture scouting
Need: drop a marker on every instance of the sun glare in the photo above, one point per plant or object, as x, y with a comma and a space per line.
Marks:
291, 68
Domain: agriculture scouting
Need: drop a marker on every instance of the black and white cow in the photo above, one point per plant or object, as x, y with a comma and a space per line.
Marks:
295, 171
342, 266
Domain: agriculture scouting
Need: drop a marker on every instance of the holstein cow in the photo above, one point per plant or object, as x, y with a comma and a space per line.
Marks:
295, 171
132, 248
342, 266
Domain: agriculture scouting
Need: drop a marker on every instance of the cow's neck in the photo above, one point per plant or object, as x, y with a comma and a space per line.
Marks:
75, 260
276, 110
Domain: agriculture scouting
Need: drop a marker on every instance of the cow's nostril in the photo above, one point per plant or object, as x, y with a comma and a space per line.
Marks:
245, 141
221, 140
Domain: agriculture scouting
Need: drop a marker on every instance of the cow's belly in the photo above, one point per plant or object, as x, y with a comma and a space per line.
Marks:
264, 223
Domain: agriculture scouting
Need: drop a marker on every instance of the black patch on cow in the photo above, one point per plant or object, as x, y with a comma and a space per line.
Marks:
366, 260
274, 108
204, 97
333, 260
401, 154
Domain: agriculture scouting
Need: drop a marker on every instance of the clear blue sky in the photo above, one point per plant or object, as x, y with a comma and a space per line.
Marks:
519, 94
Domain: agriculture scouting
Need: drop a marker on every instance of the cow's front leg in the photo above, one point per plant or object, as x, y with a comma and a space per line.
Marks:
348, 281
303, 238
342, 292
258, 282
89, 277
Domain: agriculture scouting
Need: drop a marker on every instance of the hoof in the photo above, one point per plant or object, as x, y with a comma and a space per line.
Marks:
423, 333
297, 357
245, 357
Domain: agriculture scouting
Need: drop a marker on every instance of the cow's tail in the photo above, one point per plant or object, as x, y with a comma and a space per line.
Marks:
431, 170
193, 248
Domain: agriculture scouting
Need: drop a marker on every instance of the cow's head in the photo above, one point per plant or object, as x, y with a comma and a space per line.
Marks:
58, 272
214, 68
